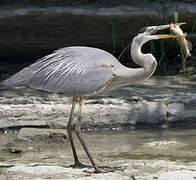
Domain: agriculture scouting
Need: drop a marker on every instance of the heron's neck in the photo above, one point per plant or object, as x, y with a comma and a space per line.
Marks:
126, 76
146, 61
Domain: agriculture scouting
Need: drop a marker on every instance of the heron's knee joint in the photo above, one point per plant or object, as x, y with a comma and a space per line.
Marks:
69, 130
78, 130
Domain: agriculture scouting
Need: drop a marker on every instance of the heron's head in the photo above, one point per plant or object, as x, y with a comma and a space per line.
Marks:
149, 33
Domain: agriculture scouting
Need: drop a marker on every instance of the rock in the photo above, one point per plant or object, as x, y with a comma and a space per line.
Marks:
176, 109
178, 112
129, 114
34, 115
14, 150
107, 101
145, 104
37, 170
104, 115
3, 177
59, 172
142, 170
174, 175
35, 134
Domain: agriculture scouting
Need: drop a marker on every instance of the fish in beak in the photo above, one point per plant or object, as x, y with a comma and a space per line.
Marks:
184, 44
155, 29
150, 33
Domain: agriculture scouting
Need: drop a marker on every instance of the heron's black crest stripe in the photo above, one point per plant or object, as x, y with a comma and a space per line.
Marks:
142, 30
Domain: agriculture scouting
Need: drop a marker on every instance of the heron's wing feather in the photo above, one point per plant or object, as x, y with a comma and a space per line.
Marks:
73, 71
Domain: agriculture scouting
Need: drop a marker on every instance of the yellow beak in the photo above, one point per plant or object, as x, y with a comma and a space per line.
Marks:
163, 36
179, 24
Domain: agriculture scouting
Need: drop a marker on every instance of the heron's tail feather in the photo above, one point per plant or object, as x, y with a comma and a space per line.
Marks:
12, 81
17, 79
8, 83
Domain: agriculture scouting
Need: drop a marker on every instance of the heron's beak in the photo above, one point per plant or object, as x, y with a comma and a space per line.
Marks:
163, 27
164, 36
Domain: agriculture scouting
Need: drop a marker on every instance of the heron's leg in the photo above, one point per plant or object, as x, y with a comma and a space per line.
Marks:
69, 132
78, 133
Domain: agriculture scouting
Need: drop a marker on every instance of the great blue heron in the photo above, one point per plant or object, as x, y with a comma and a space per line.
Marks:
85, 71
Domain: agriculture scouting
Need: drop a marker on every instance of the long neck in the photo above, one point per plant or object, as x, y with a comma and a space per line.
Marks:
146, 61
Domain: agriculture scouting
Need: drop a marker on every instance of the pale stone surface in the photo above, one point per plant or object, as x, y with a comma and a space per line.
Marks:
156, 102
176, 109
95, 114
178, 174
148, 170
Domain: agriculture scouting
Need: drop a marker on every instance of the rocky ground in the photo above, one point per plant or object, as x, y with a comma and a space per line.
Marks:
158, 102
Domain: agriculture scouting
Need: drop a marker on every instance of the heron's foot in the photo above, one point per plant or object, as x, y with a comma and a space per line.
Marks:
79, 165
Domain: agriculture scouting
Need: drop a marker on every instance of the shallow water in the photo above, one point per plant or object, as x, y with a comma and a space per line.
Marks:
172, 144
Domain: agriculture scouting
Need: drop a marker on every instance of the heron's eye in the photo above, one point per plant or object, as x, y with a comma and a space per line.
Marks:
148, 30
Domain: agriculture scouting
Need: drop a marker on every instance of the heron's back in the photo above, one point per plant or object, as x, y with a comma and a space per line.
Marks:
73, 70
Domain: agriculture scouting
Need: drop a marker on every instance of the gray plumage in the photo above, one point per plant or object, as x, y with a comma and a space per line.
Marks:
73, 71
76, 71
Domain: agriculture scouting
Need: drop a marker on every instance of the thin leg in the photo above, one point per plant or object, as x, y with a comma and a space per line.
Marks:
69, 132
78, 133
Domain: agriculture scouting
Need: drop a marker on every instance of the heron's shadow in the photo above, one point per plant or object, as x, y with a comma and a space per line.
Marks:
84, 166
107, 168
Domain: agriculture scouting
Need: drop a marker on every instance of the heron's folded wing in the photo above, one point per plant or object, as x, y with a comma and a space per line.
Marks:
73, 71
